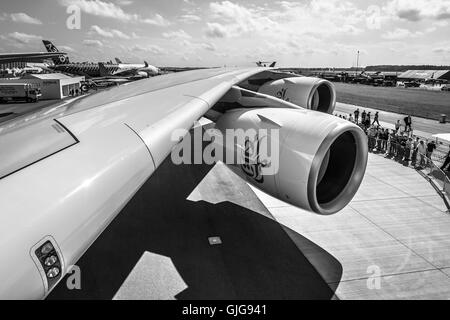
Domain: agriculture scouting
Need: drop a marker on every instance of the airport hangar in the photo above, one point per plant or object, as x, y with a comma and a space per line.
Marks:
417, 75
54, 86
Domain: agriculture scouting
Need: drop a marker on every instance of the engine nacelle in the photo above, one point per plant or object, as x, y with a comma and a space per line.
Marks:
143, 74
321, 159
309, 93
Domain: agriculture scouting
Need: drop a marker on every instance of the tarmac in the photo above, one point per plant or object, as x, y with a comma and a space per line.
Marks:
392, 241
10, 111
200, 232
425, 128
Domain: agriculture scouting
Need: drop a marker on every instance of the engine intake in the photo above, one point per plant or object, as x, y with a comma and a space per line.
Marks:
309, 93
337, 170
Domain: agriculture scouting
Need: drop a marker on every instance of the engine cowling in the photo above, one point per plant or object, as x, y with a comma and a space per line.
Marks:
309, 93
142, 74
321, 159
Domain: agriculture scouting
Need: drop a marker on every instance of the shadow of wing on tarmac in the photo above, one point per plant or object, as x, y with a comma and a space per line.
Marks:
258, 257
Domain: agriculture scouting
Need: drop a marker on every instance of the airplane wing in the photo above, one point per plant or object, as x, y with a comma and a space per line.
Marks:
65, 174
67, 170
29, 57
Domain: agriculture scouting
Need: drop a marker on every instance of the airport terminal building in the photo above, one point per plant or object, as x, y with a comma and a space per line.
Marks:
54, 86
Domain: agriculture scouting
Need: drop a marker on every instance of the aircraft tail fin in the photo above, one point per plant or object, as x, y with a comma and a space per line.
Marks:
273, 64
104, 72
146, 64
118, 61
50, 46
62, 59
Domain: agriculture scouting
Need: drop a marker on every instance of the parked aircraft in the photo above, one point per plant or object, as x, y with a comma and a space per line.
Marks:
124, 75
32, 57
67, 171
140, 68
93, 70
264, 64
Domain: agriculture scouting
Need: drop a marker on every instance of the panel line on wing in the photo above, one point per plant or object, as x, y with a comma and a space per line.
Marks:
146, 146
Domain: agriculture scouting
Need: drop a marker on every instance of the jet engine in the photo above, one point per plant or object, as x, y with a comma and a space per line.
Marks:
309, 159
310, 93
142, 74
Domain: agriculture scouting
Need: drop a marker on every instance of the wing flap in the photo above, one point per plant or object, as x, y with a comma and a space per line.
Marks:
32, 144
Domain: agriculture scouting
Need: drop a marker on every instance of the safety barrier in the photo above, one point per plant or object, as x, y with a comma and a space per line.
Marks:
426, 166
436, 174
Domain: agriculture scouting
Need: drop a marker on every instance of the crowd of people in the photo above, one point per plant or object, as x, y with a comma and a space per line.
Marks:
399, 144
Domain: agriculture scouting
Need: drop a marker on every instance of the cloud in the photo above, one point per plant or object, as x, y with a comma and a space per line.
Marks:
124, 2
209, 46
114, 11
101, 9
419, 9
24, 18
157, 20
93, 43
238, 19
101, 32
402, 34
442, 50
216, 30
178, 35
189, 18
110, 33
153, 49
350, 30
120, 34
24, 38
323, 18
66, 48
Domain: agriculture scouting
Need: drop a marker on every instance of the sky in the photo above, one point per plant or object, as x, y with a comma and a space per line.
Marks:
302, 33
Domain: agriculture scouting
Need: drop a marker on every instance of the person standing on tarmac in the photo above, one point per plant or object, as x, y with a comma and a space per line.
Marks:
408, 124
350, 118
357, 116
430, 149
363, 117
414, 154
421, 153
368, 117
397, 126
376, 119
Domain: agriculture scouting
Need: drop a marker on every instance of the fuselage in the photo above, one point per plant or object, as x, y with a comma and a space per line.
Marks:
83, 69
150, 70
93, 70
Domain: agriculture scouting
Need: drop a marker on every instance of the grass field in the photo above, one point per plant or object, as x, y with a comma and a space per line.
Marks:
419, 103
